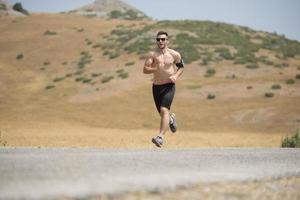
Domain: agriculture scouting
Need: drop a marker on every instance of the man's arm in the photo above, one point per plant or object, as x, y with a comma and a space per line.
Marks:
180, 65
148, 66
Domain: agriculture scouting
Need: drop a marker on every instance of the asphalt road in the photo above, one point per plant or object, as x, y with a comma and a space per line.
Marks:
32, 173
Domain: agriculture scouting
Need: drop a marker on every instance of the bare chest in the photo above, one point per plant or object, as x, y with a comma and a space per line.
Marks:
164, 60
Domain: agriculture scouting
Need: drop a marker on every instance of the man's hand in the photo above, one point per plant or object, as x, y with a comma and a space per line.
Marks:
173, 78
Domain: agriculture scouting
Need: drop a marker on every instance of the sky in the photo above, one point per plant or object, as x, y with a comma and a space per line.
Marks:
275, 16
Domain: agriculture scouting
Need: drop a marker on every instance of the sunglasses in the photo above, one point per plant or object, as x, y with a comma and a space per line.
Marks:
161, 39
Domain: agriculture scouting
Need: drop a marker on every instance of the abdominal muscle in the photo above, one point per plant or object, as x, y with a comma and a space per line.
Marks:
162, 76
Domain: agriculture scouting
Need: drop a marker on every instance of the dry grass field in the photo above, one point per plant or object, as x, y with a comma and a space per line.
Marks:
47, 100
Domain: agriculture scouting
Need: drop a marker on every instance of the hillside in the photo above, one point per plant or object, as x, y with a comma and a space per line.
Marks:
72, 78
12, 10
109, 9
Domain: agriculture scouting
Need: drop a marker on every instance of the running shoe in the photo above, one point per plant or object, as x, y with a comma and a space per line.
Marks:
172, 124
158, 141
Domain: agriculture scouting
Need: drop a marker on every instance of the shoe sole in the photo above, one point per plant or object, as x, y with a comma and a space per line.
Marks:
156, 143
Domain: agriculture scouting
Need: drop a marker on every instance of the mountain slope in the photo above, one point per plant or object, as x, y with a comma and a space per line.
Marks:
110, 9
68, 72
7, 9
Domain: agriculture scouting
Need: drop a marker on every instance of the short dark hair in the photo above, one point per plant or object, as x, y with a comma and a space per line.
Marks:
162, 33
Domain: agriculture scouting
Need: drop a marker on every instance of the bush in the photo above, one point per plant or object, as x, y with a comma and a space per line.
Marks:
211, 96
123, 75
129, 63
57, 79
106, 79
210, 72
291, 142
18, 7
47, 32
298, 76
3, 6
48, 87
20, 56
276, 87
252, 66
269, 94
290, 81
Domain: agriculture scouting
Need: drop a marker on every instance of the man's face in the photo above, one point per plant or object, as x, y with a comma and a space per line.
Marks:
162, 41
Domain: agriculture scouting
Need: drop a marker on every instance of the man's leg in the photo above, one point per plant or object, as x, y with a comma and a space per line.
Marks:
164, 122
164, 125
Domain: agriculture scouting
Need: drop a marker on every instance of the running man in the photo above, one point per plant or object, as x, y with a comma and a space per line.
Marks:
166, 65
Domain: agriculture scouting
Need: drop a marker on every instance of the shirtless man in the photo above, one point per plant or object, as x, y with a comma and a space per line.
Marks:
166, 66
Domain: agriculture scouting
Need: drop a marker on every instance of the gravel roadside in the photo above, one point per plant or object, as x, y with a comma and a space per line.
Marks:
275, 189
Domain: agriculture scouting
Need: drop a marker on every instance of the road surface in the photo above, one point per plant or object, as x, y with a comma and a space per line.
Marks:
50, 173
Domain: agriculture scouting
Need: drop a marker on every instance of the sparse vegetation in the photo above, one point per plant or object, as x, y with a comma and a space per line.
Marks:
86, 58
96, 74
47, 32
48, 87
122, 74
129, 63
269, 94
210, 72
290, 81
190, 35
3, 6
128, 15
20, 56
252, 66
297, 76
58, 79
211, 96
276, 87
292, 142
281, 65
107, 79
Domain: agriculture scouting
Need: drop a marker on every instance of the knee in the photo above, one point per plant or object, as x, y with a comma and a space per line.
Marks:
164, 110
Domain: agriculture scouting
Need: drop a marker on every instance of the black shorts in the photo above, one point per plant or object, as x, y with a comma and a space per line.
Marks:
163, 95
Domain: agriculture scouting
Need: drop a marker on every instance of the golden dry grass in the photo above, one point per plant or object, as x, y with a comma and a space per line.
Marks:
121, 113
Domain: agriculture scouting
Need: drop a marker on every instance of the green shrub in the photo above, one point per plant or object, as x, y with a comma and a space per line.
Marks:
85, 59
281, 65
113, 55
252, 66
129, 63
211, 96
269, 94
276, 87
210, 72
291, 142
59, 79
20, 56
298, 76
3, 6
96, 46
18, 7
96, 74
290, 81
224, 53
80, 79
123, 75
47, 32
107, 79
48, 87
